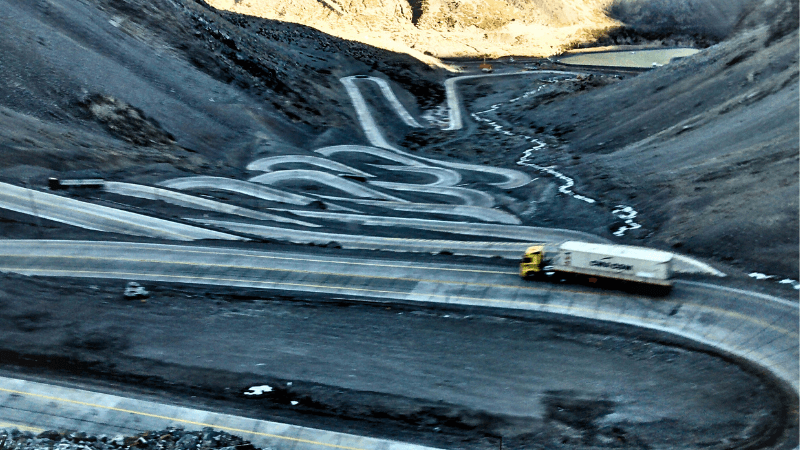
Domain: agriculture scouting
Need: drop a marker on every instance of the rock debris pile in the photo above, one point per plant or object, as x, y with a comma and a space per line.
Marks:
168, 439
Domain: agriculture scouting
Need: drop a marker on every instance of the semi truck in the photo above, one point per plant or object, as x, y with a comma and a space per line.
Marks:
599, 261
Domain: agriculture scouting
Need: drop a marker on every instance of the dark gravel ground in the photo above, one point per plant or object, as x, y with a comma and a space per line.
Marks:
403, 372
142, 91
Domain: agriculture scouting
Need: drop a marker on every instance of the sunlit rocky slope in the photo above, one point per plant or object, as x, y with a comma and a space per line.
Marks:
443, 28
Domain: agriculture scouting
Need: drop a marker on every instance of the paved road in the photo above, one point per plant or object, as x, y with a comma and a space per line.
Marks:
315, 176
388, 93
238, 186
454, 103
266, 164
513, 178
758, 328
100, 218
190, 201
507, 250
464, 196
37, 407
473, 212
444, 177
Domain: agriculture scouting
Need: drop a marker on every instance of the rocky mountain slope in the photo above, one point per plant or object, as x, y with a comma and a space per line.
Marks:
443, 28
126, 85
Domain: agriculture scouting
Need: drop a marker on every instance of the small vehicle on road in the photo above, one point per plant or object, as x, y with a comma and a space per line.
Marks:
485, 67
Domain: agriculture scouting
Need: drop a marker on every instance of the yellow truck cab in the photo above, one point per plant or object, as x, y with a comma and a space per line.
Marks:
532, 261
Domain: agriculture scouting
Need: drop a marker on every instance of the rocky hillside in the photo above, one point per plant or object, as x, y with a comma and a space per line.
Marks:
706, 149
139, 85
443, 28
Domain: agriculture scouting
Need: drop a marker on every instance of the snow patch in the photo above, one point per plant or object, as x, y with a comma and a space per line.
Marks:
760, 276
627, 214
258, 390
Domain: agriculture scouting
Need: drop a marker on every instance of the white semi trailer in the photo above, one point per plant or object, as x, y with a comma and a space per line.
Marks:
595, 261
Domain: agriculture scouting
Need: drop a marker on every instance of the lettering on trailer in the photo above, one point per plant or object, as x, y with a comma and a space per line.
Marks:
608, 265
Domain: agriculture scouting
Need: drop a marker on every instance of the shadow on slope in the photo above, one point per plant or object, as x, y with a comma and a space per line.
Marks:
201, 89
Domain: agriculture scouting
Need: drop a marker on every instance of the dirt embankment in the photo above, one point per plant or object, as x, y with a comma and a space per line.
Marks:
706, 149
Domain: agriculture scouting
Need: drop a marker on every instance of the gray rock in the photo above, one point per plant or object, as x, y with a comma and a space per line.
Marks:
50, 434
187, 442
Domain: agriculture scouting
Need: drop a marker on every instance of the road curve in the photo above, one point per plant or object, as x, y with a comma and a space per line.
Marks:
444, 177
406, 160
468, 197
368, 123
751, 327
375, 137
190, 201
325, 178
514, 178
454, 103
237, 186
266, 164
387, 92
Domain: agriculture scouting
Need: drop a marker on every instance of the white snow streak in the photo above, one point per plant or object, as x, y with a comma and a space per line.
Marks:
762, 276
627, 214
258, 390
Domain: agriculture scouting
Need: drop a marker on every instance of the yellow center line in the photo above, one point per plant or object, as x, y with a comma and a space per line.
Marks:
21, 427
174, 419
91, 273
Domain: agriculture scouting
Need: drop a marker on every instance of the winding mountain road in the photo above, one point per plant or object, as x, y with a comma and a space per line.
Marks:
755, 327
758, 328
